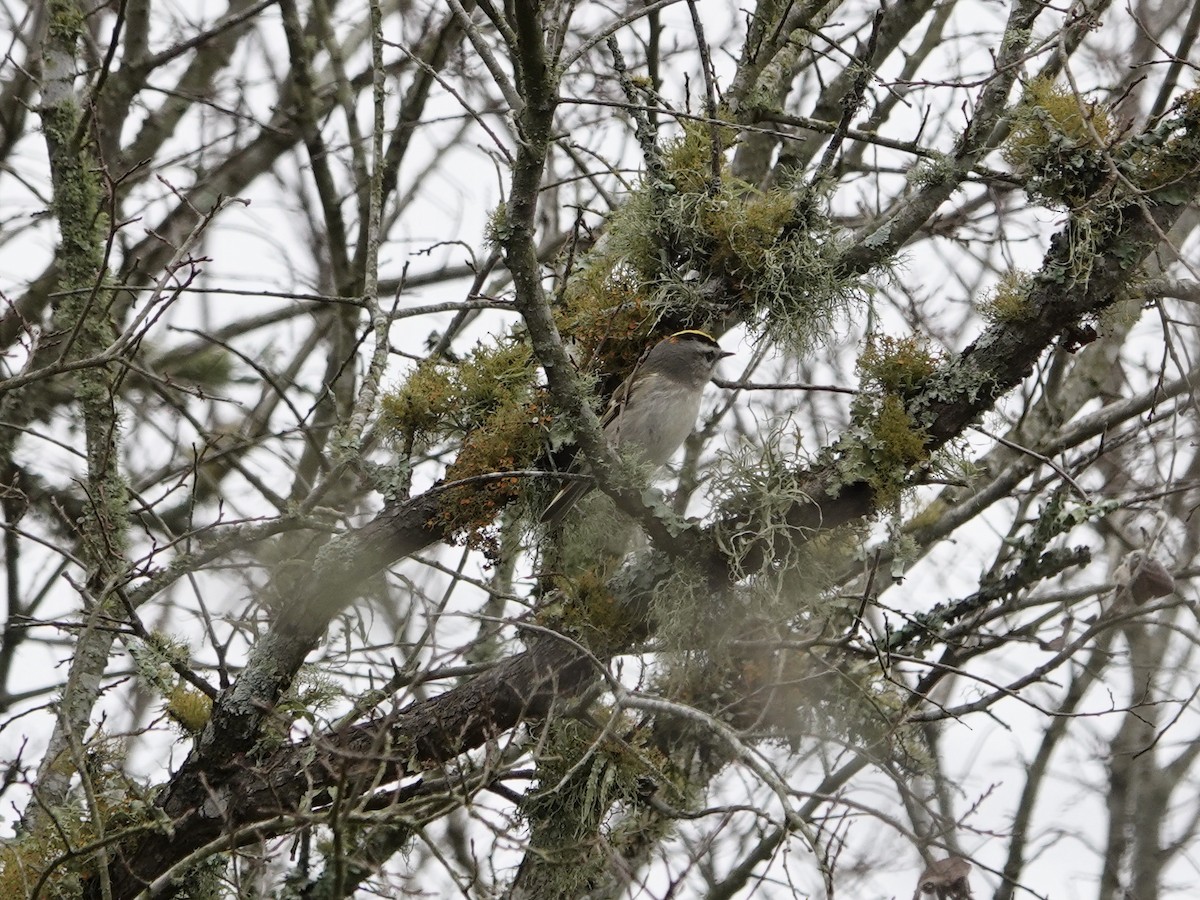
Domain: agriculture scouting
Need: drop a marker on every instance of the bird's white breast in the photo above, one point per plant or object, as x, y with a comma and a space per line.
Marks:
660, 426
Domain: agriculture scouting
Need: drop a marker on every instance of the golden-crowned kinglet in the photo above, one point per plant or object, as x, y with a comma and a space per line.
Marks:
655, 408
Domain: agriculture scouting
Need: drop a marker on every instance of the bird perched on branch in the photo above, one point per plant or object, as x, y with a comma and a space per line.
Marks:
655, 409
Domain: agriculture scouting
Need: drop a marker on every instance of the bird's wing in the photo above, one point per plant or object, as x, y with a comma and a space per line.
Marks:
564, 500
619, 398
632, 386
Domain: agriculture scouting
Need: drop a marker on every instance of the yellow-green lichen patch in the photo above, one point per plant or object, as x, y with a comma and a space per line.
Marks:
1058, 142
886, 439
693, 245
688, 158
1169, 153
897, 365
489, 405
897, 444
189, 708
1008, 301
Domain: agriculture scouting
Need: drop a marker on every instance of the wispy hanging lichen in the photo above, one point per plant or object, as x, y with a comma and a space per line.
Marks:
698, 249
584, 779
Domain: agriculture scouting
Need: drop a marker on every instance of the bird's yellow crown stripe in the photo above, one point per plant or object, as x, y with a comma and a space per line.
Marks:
692, 332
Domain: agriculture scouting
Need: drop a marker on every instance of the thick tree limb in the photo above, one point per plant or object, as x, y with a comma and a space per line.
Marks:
221, 784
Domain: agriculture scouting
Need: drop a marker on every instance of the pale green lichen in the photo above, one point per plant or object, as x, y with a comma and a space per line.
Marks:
1163, 158
933, 170
705, 246
1059, 141
887, 438
584, 774
118, 809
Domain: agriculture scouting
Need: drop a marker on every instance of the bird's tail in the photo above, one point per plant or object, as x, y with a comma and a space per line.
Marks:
564, 500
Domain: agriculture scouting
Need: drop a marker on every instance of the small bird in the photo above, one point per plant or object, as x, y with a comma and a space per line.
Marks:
655, 408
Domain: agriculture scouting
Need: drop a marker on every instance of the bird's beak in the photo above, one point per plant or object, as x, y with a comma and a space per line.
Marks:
725, 353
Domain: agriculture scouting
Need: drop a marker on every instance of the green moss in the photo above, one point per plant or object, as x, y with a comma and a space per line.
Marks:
489, 405
897, 365
442, 399
509, 439
886, 439
1058, 142
422, 404
609, 320
189, 708
1008, 301
701, 247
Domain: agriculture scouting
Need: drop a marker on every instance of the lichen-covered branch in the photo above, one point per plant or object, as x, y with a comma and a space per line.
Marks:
85, 328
